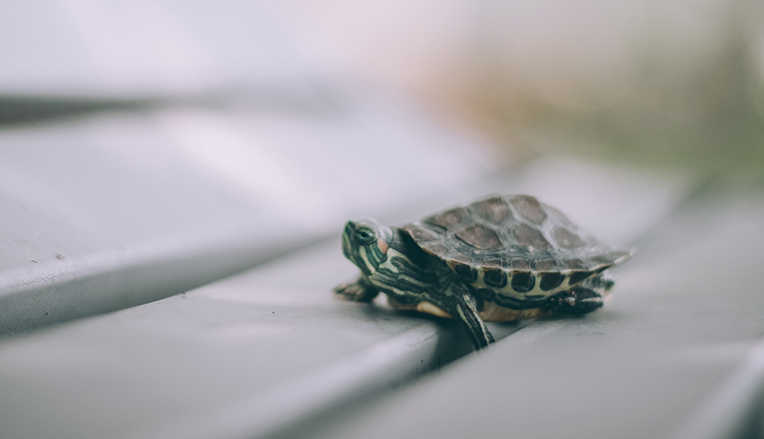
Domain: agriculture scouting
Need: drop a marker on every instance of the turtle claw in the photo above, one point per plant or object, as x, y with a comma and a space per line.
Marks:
578, 302
355, 292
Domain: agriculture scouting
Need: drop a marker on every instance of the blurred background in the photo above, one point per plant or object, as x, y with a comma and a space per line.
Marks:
677, 82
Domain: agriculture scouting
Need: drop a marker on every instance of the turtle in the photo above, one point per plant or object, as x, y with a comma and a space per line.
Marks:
500, 258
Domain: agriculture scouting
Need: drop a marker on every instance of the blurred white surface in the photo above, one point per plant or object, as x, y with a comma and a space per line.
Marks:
150, 48
95, 204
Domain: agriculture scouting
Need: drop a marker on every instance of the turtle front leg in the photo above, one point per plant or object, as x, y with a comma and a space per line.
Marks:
359, 291
461, 305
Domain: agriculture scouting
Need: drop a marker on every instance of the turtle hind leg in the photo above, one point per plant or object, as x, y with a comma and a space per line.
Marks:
359, 291
578, 301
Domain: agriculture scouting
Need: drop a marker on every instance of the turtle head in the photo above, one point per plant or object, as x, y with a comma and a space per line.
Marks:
365, 243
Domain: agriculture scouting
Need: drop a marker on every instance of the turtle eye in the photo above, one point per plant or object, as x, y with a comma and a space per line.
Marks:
364, 235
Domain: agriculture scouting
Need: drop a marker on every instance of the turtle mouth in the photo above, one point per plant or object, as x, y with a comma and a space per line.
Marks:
346, 245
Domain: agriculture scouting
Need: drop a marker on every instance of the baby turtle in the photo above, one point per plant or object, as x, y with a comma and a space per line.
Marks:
498, 259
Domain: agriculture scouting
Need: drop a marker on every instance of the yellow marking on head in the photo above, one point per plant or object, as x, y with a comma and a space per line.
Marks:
365, 258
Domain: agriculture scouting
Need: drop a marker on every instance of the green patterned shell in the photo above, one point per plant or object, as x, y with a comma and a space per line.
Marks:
514, 250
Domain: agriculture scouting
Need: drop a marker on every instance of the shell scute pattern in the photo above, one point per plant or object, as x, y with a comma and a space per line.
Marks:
546, 265
528, 208
567, 239
492, 263
421, 235
448, 219
514, 250
528, 237
550, 281
495, 278
520, 264
523, 281
479, 236
494, 210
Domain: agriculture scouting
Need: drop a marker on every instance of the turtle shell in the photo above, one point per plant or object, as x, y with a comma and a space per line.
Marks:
514, 250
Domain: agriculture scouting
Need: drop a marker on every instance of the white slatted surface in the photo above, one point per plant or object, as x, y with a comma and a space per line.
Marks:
113, 211
675, 354
252, 355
